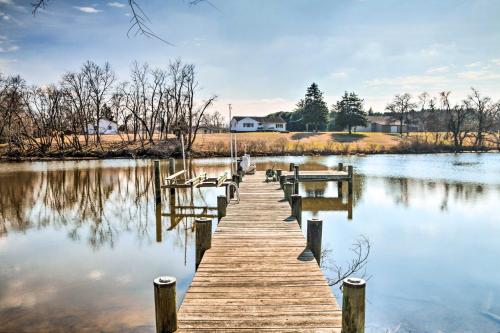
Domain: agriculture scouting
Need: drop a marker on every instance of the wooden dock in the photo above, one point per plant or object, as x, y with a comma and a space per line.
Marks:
258, 274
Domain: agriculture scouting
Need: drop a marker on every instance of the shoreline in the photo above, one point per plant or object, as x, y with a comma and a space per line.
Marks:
155, 154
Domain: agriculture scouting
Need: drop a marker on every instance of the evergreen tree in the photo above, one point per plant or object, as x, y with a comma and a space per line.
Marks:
350, 112
313, 109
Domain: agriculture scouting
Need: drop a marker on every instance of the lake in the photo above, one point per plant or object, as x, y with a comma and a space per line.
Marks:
80, 244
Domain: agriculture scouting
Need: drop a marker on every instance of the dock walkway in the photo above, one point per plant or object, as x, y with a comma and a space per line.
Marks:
258, 274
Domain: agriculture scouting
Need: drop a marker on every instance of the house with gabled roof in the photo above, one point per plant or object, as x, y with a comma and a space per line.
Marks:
258, 124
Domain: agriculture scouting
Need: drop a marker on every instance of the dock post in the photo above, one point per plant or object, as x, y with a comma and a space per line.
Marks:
157, 182
203, 228
165, 307
288, 189
171, 166
350, 172
278, 174
291, 166
353, 305
221, 206
314, 235
282, 181
171, 171
349, 207
339, 183
158, 223
236, 179
297, 208
295, 179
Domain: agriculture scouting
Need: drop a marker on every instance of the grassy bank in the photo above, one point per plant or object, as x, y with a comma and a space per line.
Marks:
262, 144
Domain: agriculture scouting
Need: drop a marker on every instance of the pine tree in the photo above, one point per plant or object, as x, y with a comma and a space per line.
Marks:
350, 112
313, 108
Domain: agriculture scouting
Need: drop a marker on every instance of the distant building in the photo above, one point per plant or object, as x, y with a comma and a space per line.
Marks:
211, 129
382, 124
258, 124
104, 126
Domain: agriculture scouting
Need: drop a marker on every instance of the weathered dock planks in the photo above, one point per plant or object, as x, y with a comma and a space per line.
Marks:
258, 274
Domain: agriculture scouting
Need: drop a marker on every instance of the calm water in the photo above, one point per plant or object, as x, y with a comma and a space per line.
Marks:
80, 243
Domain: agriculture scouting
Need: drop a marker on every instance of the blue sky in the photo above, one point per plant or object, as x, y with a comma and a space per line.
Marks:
260, 55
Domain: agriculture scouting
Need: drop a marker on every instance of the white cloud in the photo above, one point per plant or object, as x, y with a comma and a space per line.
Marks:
88, 10
473, 64
6, 2
442, 69
116, 4
11, 48
478, 75
339, 75
496, 61
407, 81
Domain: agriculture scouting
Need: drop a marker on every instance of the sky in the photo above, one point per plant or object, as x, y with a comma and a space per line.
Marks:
260, 55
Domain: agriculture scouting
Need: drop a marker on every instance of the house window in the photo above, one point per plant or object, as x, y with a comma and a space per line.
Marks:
279, 125
247, 124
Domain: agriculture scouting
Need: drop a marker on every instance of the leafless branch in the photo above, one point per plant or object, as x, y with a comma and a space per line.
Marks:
361, 250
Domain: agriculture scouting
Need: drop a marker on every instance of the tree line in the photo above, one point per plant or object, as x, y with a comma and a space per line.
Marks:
151, 105
476, 116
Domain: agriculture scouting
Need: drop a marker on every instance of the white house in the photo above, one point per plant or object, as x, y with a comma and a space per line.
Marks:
258, 124
105, 126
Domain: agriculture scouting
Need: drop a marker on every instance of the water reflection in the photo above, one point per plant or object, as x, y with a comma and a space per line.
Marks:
80, 242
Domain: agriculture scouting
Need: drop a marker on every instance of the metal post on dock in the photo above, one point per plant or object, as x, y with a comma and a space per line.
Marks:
297, 208
282, 181
288, 189
314, 235
203, 228
165, 304
221, 206
157, 182
350, 172
353, 305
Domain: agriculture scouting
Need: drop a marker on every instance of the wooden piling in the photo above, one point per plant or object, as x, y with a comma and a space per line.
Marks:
295, 179
288, 189
291, 166
221, 206
236, 179
203, 228
157, 182
349, 207
171, 171
314, 235
350, 172
297, 208
282, 181
278, 174
165, 304
341, 167
353, 305
158, 223
171, 166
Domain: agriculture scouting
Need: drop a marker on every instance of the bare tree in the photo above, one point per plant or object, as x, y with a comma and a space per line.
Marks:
402, 105
99, 80
458, 118
483, 111
361, 251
